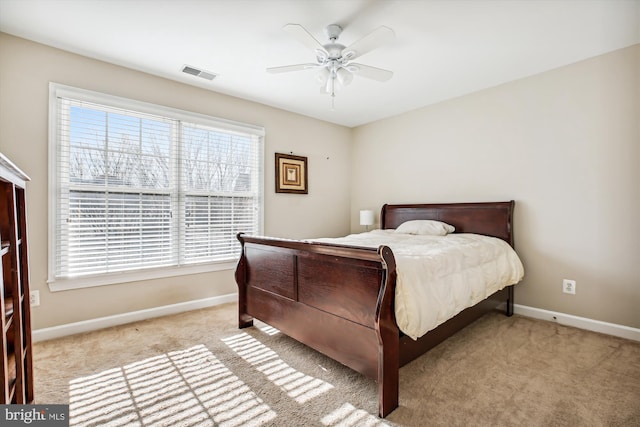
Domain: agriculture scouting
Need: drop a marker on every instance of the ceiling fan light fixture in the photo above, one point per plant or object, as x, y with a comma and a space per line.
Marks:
322, 76
330, 88
334, 67
344, 77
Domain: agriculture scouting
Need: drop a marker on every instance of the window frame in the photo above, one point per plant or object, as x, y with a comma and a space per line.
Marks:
57, 90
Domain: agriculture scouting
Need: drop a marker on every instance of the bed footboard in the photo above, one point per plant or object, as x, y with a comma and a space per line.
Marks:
339, 299
335, 299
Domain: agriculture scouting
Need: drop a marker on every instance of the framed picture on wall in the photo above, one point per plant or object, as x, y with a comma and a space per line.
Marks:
291, 174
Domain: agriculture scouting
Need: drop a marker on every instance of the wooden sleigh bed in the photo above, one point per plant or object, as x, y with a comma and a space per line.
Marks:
339, 299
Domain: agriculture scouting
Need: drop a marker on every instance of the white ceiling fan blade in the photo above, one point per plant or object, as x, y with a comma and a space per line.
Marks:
288, 68
304, 37
369, 42
370, 72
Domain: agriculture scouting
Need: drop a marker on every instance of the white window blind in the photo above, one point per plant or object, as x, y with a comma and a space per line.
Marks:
142, 186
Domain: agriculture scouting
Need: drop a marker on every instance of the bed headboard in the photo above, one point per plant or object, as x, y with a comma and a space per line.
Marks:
488, 218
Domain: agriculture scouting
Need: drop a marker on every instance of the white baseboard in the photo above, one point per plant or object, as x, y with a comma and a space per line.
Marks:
134, 316
120, 319
579, 322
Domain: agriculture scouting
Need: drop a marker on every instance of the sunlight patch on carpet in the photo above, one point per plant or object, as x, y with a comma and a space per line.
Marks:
297, 385
348, 415
188, 387
269, 330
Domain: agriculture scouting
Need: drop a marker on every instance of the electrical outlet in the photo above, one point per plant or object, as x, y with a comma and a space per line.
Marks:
569, 286
34, 298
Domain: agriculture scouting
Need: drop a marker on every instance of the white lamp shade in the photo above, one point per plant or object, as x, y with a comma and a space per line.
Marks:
344, 77
322, 76
366, 217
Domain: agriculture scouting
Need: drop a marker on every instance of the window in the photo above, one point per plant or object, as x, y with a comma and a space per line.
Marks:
143, 191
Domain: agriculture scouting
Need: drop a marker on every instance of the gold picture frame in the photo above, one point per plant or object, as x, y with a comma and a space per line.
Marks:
291, 174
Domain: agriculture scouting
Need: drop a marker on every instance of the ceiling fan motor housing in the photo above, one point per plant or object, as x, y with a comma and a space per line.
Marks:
333, 32
334, 50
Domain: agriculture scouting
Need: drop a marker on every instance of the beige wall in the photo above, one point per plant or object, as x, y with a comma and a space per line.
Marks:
564, 144
26, 69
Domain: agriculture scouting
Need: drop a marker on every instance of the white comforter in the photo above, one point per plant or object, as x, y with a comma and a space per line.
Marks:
439, 276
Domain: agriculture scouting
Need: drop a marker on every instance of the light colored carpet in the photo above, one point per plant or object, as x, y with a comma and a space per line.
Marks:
199, 369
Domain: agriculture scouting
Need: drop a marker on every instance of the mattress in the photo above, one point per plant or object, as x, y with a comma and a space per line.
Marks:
439, 276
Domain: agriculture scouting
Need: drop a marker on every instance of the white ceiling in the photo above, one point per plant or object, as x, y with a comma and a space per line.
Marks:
443, 49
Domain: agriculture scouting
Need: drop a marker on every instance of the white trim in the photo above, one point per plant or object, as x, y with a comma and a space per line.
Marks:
579, 322
137, 275
133, 316
52, 163
169, 114
64, 91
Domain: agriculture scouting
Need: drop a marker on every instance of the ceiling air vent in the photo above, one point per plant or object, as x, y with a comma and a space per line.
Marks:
208, 75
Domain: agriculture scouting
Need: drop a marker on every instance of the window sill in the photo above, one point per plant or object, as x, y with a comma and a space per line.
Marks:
136, 276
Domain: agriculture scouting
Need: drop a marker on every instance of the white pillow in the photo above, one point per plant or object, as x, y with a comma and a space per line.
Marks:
425, 227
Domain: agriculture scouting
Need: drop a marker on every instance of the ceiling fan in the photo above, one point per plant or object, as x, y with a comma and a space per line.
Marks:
333, 60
